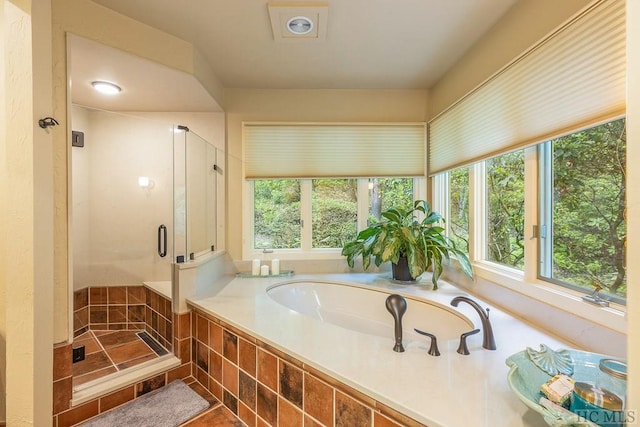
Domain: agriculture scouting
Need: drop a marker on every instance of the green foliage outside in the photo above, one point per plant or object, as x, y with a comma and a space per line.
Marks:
505, 216
334, 211
387, 193
277, 214
459, 207
589, 225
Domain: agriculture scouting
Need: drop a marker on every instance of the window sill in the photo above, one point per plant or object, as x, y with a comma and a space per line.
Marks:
567, 300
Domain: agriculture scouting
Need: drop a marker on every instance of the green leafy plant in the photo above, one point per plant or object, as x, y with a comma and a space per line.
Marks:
399, 234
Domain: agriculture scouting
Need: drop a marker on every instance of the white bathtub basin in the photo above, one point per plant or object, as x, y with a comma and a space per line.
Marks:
363, 310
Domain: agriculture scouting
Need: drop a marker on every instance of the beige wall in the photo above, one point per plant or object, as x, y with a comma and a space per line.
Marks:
523, 25
633, 203
26, 211
303, 105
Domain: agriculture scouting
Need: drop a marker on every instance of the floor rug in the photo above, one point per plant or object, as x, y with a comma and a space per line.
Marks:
168, 406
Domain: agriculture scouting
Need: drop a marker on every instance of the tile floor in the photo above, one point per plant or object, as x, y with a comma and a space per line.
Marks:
217, 415
107, 352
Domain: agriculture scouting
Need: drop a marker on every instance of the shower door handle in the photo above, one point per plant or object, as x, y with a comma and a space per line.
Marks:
162, 241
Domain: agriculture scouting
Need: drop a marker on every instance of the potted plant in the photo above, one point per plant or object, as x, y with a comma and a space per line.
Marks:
412, 246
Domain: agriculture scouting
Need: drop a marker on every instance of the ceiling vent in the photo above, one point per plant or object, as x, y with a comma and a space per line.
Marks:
298, 21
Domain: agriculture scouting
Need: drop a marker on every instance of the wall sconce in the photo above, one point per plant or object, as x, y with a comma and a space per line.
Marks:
145, 182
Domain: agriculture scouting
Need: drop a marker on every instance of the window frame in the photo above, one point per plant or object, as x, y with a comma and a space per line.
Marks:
526, 282
306, 251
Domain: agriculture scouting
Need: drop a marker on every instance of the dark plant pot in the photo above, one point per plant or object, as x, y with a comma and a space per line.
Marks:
401, 272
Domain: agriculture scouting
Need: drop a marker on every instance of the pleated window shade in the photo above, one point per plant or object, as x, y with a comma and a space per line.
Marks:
571, 79
299, 150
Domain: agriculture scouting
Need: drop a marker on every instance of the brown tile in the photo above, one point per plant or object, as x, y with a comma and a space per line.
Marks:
80, 299
397, 417
151, 384
268, 369
183, 327
202, 329
215, 366
82, 379
117, 398
318, 399
80, 318
204, 393
267, 404
80, 331
181, 372
117, 295
78, 414
380, 420
125, 352
183, 350
97, 314
215, 388
202, 356
310, 422
218, 416
247, 357
230, 346
215, 337
230, 401
117, 314
291, 383
98, 295
230, 377
288, 414
62, 361
117, 326
246, 415
363, 398
139, 326
136, 295
114, 339
247, 390
138, 360
350, 412
282, 355
92, 362
202, 377
62, 394
135, 313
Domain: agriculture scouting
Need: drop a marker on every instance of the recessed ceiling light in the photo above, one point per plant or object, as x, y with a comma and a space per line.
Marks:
300, 25
106, 87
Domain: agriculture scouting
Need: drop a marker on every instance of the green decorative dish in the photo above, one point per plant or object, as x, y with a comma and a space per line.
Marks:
529, 369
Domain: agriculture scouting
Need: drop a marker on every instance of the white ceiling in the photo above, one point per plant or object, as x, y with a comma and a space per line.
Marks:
370, 44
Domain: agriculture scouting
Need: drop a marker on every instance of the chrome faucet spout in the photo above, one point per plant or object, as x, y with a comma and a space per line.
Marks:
397, 306
488, 341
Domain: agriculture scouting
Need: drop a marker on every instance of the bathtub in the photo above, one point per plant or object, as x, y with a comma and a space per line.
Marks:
363, 310
338, 324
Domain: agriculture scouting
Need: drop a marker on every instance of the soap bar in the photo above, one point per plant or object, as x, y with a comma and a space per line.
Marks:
558, 389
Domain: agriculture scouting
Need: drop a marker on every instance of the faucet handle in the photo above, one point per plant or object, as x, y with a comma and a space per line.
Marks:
462, 348
433, 349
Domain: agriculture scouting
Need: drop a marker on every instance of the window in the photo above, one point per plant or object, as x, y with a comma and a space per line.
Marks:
582, 215
571, 193
276, 214
505, 209
385, 193
307, 215
334, 207
458, 217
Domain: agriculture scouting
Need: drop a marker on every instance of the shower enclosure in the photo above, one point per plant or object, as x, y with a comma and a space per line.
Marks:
143, 195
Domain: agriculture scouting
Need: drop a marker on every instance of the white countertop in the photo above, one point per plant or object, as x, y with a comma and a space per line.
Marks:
449, 390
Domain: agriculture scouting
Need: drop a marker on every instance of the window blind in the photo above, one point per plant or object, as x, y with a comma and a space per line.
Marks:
571, 79
299, 150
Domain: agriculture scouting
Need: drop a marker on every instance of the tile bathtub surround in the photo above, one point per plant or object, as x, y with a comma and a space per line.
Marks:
158, 317
266, 387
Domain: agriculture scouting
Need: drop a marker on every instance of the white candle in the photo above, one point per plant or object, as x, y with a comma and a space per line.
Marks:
255, 267
275, 266
264, 270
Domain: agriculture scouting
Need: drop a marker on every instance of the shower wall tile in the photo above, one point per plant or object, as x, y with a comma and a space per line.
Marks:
80, 299
264, 386
98, 295
117, 295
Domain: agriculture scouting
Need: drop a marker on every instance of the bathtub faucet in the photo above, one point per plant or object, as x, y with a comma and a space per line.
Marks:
488, 340
397, 306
